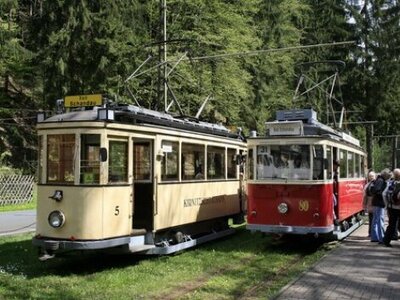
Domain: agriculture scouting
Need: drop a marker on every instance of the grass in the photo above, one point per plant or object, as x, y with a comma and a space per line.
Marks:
244, 265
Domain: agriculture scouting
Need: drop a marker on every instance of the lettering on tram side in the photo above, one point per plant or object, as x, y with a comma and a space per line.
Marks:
304, 205
353, 187
202, 201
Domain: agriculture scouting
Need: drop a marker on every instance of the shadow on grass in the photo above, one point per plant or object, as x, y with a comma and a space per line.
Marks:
20, 257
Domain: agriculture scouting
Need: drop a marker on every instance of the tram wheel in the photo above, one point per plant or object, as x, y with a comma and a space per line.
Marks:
345, 225
178, 237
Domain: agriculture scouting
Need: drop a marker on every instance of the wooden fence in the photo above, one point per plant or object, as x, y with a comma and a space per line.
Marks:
16, 189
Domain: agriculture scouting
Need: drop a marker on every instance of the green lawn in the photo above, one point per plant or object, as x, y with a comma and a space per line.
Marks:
243, 265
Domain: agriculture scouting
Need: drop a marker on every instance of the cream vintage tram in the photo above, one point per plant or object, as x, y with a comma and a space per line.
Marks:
133, 179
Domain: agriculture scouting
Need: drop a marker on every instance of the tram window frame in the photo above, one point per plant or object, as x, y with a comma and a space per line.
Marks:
329, 166
250, 162
343, 163
357, 166
90, 154
142, 164
350, 164
362, 166
231, 164
122, 176
216, 163
192, 161
60, 166
40, 158
170, 160
318, 162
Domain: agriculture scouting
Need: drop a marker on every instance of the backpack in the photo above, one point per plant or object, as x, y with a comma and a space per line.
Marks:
389, 192
395, 194
370, 190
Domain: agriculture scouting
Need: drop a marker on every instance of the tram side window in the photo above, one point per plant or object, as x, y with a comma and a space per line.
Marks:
192, 161
318, 155
60, 158
232, 166
250, 161
357, 173
362, 166
142, 161
343, 163
215, 162
350, 164
329, 162
169, 163
40, 158
118, 162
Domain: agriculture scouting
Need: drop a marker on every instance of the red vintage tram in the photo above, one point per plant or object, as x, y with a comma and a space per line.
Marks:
293, 187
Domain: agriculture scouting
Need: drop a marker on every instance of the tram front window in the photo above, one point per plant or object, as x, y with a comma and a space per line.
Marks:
288, 162
90, 162
60, 158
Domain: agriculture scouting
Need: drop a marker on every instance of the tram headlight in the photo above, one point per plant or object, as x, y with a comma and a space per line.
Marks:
283, 208
56, 219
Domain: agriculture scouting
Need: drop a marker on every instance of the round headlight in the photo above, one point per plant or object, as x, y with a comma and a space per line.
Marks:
56, 219
283, 208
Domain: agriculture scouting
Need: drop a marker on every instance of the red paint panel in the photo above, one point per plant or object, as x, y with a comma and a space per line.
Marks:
309, 205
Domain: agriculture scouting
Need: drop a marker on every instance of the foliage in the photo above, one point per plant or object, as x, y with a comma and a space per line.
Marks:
50, 49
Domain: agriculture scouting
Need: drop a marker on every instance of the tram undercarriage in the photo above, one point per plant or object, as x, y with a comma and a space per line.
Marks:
141, 241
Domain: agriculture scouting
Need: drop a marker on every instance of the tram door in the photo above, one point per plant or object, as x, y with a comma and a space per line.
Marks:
143, 184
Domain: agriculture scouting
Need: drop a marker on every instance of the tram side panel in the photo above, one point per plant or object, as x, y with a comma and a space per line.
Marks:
308, 205
350, 198
180, 204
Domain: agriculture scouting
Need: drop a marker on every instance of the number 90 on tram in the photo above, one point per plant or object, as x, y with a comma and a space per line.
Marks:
304, 178
126, 178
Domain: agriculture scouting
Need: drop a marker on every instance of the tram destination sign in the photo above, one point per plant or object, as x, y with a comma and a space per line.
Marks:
83, 100
285, 128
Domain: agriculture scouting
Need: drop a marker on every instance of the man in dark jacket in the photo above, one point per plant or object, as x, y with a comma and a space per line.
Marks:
378, 221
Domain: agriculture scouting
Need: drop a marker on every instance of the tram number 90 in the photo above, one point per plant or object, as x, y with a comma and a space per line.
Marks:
304, 205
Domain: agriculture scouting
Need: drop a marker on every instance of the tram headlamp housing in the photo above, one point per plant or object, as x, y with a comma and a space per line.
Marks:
283, 208
56, 219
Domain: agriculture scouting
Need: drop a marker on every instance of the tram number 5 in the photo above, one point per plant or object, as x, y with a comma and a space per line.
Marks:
304, 205
116, 211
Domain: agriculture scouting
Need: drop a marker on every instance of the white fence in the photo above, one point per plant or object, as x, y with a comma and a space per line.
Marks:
16, 189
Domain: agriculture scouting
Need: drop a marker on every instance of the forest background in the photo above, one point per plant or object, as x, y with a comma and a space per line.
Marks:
50, 49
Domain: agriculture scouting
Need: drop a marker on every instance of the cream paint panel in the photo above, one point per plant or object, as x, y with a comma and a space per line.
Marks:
117, 214
84, 213
180, 203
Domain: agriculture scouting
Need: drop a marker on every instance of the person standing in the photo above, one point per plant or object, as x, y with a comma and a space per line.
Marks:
378, 221
367, 200
392, 202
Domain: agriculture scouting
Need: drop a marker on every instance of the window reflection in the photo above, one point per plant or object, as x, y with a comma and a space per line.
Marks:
60, 158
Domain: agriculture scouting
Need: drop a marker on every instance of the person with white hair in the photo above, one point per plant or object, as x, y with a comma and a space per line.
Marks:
367, 200
392, 201
378, 221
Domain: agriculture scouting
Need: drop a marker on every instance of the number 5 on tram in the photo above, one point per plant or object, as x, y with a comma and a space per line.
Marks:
304, 178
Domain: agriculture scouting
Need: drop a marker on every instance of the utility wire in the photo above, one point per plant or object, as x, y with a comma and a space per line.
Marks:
257, 52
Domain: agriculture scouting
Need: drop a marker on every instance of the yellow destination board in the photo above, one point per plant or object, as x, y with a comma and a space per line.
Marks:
83, 100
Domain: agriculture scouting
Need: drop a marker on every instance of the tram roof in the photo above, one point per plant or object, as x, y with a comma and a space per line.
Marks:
131, 114
303, 123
